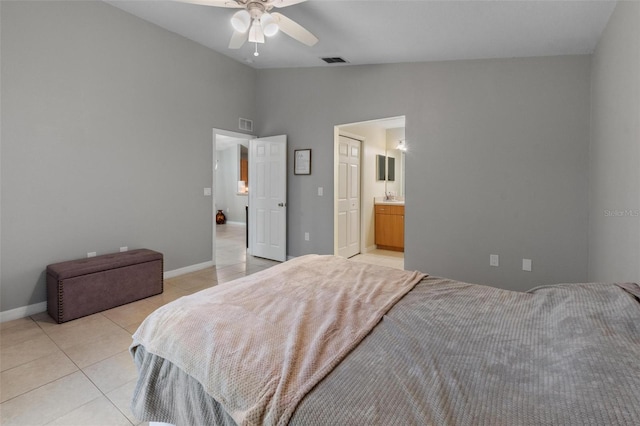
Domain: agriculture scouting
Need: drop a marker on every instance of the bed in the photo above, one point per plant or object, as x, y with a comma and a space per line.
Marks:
321, 340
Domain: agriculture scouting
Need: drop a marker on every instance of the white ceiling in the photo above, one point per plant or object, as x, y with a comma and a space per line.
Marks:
375, 32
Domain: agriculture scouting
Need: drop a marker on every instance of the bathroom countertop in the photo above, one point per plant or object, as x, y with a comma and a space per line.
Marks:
381, 202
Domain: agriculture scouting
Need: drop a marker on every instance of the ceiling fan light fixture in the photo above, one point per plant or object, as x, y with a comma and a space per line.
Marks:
241, 21
269, 25
255, 32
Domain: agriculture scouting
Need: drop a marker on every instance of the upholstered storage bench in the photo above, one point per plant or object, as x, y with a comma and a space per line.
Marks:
82, 287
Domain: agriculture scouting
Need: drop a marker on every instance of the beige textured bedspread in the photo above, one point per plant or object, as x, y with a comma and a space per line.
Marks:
258, 355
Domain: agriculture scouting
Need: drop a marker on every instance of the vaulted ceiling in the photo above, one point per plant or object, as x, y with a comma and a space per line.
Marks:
375, 32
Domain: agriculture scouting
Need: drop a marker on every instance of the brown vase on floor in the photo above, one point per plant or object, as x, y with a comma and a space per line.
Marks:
220, 218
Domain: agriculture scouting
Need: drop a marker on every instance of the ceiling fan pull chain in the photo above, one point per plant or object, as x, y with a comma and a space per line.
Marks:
256, 52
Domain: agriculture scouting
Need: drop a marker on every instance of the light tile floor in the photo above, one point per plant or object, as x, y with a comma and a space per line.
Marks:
80, 372
392, 259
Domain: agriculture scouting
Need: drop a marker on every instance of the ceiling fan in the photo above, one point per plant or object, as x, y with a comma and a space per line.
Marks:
255, 21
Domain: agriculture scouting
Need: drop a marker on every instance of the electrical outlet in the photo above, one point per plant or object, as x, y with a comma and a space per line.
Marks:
91, 254
494, 260
526, 265
207, 192
123, 249
306, 236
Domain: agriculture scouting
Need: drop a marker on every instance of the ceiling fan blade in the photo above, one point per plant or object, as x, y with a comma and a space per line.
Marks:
238, 39
285, 3
294, 30
216, 3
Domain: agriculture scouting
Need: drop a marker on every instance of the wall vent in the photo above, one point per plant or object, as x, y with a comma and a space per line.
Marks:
245, 124
335, 60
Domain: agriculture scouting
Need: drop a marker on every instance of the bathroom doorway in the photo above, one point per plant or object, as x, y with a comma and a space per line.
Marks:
380, 139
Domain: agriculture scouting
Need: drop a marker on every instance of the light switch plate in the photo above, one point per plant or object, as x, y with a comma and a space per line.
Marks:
494, 260
526, 264
320, 191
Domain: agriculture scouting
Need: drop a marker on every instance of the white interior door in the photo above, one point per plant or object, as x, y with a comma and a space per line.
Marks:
348, 196
268, 197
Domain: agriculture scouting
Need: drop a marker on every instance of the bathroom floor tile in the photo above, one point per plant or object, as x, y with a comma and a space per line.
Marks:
388, 258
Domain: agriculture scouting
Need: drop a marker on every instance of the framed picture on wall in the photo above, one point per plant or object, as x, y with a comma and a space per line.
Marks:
302, 162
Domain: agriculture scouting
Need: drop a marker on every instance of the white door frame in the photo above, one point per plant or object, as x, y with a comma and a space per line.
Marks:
221, 132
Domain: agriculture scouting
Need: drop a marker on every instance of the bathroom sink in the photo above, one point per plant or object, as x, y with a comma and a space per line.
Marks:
394, 202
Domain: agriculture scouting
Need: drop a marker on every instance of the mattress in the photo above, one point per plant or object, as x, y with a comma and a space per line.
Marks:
455, 353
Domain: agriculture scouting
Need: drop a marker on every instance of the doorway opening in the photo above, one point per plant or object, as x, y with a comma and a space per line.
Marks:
367, 182
230, 195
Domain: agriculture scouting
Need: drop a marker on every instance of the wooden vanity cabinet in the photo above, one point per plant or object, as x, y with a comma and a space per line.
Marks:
390, 227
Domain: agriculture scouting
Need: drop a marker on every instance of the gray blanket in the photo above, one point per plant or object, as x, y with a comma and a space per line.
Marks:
460, 354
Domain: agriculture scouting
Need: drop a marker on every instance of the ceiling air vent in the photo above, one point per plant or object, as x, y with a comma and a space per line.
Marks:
335, 60
245, 124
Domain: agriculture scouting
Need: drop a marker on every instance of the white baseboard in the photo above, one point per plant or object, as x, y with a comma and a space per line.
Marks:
369, 249
236, 223
22, 312
187, 269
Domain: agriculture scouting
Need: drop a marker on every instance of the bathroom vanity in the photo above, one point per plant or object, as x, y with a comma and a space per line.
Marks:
389, 225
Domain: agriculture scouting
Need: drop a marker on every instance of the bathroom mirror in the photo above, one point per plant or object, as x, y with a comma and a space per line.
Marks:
391, 169
395, 152
381, 168
385, 168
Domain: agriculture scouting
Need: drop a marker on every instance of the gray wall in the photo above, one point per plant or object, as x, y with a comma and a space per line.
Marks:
614, 176
106, 142
497, 160
106, 138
